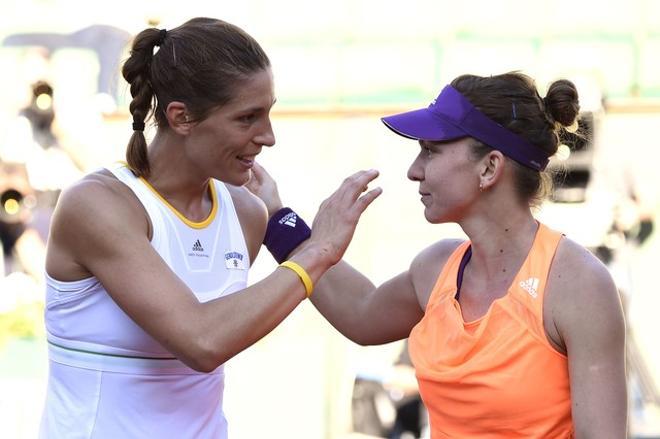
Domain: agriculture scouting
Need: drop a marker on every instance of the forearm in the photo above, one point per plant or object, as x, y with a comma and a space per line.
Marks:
227, 325
340, 294
240, 320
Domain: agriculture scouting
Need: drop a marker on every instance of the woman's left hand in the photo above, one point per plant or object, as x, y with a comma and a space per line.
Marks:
264, 186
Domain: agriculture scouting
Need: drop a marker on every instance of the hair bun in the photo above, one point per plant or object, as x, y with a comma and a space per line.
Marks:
561, 102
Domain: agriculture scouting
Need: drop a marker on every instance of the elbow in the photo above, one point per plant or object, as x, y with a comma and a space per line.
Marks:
362, 343
357, 332
365, 342
203, 357
360, 337
364, 336
201, 365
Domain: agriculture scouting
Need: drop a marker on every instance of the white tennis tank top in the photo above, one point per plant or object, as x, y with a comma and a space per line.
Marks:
110, 379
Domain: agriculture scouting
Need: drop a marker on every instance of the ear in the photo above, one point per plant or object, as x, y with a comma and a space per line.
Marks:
177, 118
492, 169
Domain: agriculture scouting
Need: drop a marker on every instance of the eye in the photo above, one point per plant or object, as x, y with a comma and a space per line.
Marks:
426, 150
248, 118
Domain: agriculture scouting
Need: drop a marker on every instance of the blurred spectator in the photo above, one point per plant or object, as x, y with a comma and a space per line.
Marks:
33, 143
388, 404
411, 416
40, 114
22, 232
33, 169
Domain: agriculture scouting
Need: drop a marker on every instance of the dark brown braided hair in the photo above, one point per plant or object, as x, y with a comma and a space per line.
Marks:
199, 63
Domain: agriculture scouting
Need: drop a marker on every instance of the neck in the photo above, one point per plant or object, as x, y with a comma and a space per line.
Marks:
175, 178
501, 239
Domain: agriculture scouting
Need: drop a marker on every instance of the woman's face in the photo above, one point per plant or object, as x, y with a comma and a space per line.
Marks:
448, 177
226, 143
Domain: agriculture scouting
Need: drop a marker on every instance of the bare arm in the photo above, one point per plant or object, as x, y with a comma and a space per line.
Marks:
348, 299
589, 319
96, 230
369, 315
362, 312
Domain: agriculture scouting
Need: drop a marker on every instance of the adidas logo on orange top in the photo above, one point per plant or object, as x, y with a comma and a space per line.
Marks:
530, 285
197, 247
289, 219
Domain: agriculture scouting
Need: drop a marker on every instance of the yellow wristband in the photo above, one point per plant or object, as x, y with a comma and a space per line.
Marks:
304, 277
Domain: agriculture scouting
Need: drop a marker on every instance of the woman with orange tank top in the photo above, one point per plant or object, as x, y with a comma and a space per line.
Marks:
517, 332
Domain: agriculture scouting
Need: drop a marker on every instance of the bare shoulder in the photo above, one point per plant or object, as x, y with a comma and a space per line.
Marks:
93, 210
253, 216
581, 293
98, 197
427, 265
579, 273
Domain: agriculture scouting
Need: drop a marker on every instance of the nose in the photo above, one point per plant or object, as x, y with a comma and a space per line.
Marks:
416, 170
266, 137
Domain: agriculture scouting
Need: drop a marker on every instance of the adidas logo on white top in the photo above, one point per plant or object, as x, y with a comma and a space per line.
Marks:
289, 219
197, 247
531, 285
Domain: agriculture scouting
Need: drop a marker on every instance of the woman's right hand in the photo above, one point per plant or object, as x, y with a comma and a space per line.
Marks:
338, 215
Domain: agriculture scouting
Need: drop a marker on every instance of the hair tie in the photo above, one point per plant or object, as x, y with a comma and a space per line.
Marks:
161, 37
138, 126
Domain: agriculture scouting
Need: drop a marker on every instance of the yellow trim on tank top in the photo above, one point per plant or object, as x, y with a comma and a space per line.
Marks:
193, 224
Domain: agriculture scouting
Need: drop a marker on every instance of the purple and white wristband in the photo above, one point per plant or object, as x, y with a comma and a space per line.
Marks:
285, 231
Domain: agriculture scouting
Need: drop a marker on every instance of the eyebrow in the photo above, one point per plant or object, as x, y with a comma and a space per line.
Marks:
255, 109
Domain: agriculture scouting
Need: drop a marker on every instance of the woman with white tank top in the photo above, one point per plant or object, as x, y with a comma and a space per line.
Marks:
147, 261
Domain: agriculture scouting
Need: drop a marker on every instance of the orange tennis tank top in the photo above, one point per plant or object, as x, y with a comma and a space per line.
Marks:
498, 376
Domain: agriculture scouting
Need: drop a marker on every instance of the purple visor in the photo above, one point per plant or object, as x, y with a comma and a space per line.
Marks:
451, 116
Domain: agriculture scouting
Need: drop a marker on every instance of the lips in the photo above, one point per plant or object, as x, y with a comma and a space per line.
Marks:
247, 160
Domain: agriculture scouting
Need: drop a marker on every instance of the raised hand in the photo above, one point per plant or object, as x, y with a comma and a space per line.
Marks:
338, 215
264, 186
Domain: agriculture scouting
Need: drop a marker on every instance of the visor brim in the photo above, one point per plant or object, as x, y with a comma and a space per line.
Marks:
422, 124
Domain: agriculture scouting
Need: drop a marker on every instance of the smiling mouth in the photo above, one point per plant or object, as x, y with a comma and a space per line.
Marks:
247, 160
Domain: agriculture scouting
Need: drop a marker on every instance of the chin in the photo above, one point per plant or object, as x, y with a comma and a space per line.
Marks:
434, 218
236, 179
